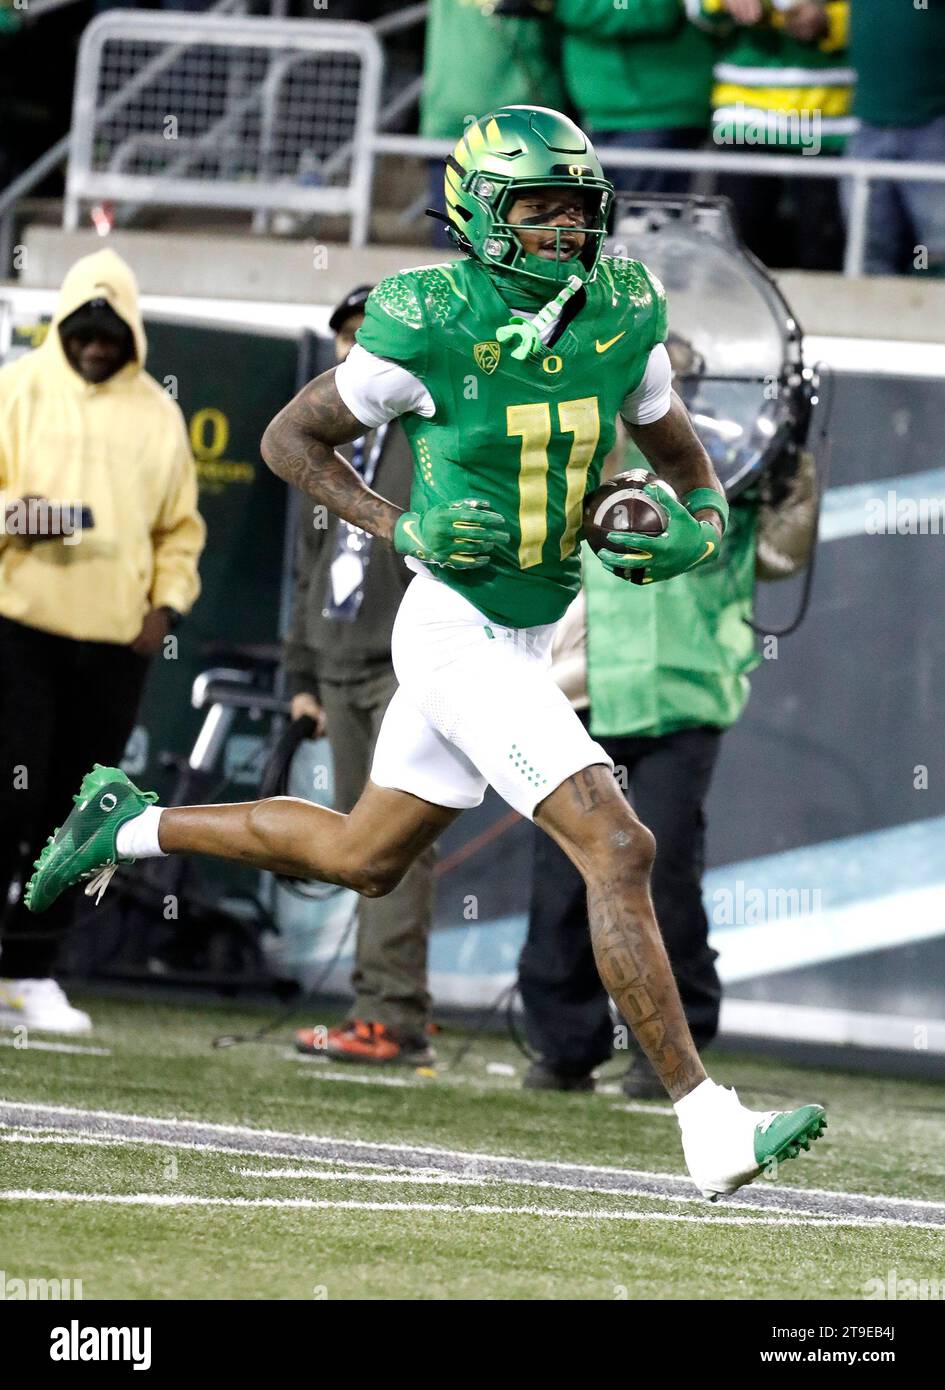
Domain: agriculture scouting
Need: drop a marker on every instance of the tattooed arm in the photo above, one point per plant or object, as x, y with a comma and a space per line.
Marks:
299, 446
674, 451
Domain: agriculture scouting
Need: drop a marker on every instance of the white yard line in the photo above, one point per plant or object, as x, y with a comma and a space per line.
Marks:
412, 1076
360, 1078
36, 1045
347, 1170
83, 1139
414, 1177
638, 1107
161, 1199
628, 1175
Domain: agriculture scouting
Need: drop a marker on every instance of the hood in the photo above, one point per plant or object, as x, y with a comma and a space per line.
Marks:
103, 275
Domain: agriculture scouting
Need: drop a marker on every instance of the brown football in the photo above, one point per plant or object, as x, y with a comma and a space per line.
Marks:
622, 505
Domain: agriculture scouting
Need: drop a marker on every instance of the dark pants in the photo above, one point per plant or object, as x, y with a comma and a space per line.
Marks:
648, 180
787, 222
64, 705
903, 217
567, 1015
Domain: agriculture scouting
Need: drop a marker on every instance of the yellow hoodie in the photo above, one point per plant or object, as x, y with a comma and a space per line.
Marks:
121, 449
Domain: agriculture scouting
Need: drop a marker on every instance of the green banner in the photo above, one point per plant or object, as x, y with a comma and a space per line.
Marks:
228, 385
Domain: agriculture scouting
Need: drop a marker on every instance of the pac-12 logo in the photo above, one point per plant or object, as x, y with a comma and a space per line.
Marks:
487, 356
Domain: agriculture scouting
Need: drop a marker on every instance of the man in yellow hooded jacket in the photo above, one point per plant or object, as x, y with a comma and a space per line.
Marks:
99, 542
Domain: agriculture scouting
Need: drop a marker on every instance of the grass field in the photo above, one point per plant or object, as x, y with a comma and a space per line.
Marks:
250, 1172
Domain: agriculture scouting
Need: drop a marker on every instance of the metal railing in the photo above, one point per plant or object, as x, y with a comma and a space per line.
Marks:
57, 154
235, 112
861, 173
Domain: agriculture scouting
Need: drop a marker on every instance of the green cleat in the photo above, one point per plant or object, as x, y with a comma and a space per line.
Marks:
727, 1145
84, 847
783, 1133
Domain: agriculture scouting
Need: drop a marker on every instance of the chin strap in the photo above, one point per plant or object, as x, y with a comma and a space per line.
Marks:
527, 333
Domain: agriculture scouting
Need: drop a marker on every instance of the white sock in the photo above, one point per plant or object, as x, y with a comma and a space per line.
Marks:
138, 837
698, 1103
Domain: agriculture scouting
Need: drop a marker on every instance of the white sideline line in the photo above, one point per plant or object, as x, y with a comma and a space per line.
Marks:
636, 1107
369, 1080
370, 1146
82, 1141
85, 1139
352, 1171
415, 1176
35, 1045
161, 1199
415, 1077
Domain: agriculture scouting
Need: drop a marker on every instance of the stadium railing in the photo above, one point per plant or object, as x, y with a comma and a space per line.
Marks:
227, 111
861, 173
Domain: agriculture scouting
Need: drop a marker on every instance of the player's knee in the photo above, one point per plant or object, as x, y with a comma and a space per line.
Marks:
373, 879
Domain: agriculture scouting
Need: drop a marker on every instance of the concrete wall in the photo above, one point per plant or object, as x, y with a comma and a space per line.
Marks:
295, 272
224, 267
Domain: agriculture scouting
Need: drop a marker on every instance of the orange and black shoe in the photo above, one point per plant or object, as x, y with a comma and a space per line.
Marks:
361, 1041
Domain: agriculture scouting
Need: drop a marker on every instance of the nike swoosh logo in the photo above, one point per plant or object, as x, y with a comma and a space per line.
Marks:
411, 532
602, 347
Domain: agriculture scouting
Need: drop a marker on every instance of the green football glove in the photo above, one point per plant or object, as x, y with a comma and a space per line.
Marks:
686, 542
459, 535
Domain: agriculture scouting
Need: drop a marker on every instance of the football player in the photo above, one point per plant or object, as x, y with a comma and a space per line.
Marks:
507, 369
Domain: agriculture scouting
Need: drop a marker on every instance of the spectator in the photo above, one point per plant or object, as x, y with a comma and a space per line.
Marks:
782, 84
657, 673
339, 671
475, 62
82, 608
639, 77
897, 52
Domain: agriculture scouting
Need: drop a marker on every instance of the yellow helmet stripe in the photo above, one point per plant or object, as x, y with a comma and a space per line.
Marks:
493, 136
474, 139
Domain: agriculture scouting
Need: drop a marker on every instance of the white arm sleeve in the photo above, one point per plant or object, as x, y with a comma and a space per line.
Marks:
652, 398
375, 390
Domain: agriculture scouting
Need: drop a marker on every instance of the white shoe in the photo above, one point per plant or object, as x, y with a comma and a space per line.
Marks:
39, 1004
726, 1145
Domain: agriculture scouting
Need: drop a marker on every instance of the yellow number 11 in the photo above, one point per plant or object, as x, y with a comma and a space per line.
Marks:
533, 424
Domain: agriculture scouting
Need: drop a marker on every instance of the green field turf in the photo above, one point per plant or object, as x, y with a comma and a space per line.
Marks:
272, 1221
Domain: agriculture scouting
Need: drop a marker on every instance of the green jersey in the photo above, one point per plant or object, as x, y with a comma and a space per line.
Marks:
529, 437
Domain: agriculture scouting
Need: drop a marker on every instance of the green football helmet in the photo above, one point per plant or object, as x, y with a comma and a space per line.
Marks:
499, 157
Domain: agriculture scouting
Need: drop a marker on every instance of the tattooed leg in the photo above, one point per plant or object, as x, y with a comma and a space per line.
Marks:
370, 849
593, 824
